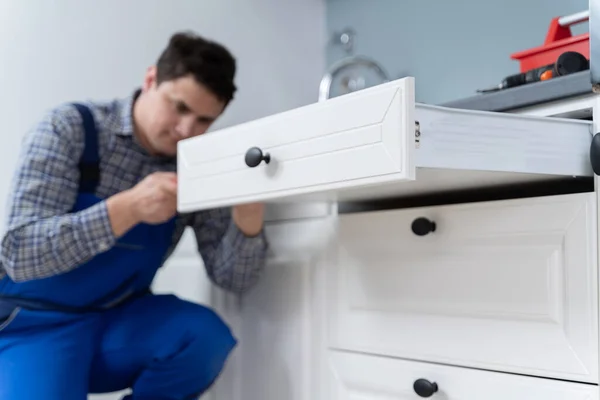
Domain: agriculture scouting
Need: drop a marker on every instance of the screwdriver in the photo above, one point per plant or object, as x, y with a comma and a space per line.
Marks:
567, 63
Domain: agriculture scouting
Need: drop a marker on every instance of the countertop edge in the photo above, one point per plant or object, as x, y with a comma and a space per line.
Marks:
527, 95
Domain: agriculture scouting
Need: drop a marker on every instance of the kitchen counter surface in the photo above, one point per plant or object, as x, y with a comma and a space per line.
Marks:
577, 84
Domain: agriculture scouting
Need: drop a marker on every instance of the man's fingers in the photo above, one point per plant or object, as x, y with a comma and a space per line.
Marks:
172, 176
171, 189
169, 185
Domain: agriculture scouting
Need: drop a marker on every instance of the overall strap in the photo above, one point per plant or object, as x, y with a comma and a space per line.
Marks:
89, 165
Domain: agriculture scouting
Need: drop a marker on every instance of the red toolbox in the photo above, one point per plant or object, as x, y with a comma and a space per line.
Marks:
558, 40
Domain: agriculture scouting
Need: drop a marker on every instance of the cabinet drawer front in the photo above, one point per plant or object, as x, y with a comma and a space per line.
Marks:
504, 285
370, 145
354, 376
358, 139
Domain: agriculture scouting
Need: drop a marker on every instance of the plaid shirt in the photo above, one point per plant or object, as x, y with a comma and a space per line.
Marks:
43, 239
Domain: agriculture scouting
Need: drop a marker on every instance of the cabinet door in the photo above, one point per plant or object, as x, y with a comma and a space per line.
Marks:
277, 322
502, 285
364, 377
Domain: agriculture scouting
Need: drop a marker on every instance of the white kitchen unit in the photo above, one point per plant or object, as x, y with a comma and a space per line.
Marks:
417, 251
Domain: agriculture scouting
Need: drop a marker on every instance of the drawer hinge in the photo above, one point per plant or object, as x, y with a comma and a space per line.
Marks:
417, 134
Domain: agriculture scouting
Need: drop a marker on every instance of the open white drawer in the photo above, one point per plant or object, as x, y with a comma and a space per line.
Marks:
372, 144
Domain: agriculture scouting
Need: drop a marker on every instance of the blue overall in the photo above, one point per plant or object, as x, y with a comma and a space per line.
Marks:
99, 329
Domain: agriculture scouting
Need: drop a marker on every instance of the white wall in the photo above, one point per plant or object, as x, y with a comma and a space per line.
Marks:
63, 50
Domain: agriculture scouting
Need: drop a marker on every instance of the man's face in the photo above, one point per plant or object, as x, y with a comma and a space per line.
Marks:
175, 110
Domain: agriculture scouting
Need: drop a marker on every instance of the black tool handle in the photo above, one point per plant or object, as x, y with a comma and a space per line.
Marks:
530, 76
570, 62
567, 63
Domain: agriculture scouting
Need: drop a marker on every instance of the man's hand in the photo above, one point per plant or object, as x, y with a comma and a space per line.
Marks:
153, 201
249, 218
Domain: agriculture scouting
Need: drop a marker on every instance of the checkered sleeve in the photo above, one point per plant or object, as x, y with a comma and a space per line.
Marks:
43, 238
233, 261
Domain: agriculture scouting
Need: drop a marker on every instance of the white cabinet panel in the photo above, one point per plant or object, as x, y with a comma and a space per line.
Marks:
504, 285
365, 377
277, 322
348, 141
372, 144
275, 336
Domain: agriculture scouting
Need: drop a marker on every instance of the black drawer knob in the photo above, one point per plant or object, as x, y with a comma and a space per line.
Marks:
254, 156
422, 226
424, 388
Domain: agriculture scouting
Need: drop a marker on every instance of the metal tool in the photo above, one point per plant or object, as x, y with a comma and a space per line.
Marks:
567, 63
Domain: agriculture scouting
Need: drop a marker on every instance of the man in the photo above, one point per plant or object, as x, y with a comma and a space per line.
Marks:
93, 216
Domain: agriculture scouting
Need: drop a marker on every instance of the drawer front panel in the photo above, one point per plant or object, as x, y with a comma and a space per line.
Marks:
365, 377
505, 285
351, 141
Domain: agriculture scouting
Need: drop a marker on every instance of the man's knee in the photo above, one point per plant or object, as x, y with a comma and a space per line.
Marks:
211, 339
179, 346
213, 332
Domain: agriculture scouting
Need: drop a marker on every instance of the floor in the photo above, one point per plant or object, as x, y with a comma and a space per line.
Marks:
109, 396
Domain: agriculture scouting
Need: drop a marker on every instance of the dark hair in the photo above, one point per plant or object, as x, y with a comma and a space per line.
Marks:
210, 63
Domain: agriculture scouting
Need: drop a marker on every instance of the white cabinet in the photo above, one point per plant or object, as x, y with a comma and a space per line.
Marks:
375, 143
502, 285
499, 301
365, 377
279, 324
346, 142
